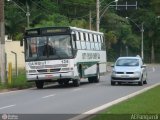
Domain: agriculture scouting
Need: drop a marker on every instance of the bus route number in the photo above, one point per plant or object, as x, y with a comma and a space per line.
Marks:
65, 61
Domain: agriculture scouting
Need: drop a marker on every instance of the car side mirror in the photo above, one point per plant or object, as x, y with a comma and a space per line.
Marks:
143, 66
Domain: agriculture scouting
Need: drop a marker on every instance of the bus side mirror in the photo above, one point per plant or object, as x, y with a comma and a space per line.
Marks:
74, 37
21, 42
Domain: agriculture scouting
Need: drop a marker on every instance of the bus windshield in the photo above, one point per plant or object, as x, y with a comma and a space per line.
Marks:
48, 47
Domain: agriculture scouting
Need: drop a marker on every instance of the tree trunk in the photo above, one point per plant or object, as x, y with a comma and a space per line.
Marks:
152, 52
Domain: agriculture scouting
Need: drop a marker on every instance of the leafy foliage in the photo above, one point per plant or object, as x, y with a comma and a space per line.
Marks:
119, 32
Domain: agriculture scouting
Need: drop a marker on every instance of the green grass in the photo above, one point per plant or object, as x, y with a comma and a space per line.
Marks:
145, 103
18, 82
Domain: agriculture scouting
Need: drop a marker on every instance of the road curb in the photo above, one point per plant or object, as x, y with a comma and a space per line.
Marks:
100, 108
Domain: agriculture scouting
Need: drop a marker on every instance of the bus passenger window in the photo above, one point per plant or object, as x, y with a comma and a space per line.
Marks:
78, 44
83, 45
92, 46
96, 46
88, 45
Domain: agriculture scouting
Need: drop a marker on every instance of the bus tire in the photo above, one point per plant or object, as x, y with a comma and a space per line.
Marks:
76, 82
80, 70
39, 84
113, 83
97, 77
90, 79
66, 82
60, 82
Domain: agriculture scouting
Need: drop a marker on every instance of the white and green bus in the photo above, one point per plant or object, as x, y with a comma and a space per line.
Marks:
64, 54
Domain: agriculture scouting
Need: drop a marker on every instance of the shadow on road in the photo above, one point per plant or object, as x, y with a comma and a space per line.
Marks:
69, 85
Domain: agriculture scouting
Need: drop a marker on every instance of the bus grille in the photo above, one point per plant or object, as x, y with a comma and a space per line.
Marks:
48, 70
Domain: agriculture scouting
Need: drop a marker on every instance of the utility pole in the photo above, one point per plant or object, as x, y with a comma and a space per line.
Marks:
142, 47
106, 8
25, 11
142, 36
27, 14
2, 40
98, 20
90, 20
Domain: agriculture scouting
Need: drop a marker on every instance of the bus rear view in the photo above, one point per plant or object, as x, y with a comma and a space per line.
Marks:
51, 54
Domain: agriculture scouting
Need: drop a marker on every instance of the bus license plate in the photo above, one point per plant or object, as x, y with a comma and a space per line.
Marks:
49, 76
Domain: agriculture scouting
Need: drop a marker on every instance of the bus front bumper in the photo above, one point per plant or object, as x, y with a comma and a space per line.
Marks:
53, 76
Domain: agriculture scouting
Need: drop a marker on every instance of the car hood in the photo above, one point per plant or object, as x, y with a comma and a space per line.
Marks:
126, 69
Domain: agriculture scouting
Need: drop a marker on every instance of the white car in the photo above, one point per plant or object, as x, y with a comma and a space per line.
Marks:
129, 70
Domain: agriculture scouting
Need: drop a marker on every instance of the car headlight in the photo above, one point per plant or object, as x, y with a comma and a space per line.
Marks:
113, 72
137, 72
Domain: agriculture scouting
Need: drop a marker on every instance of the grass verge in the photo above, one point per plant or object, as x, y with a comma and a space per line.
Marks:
144, 106
18, 82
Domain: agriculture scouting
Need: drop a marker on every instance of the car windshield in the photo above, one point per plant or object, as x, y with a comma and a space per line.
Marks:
48, 47
127, 62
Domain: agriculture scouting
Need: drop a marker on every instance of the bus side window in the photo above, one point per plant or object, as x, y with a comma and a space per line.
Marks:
102, 43
96, 42
99, 41
91, 41
83, 43
78, 43
88, 45
74, 41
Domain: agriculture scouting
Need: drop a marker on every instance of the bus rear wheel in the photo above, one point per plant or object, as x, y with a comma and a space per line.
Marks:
39, 84
90, 79
97, 77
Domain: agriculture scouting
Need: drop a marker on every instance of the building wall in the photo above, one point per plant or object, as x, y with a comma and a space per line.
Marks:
15, 47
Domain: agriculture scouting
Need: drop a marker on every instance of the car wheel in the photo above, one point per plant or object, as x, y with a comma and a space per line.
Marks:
112, 83
145, 82
140, 83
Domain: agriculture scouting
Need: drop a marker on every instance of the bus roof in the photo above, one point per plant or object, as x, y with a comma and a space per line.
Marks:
85, 30
69, 27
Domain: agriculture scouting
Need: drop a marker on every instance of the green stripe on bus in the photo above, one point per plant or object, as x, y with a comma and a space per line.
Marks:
84, 66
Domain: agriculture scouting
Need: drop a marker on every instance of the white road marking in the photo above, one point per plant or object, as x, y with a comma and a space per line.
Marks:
100, 108
49, 96
153, 69
77, 89
7, 106
16, 91
98, 84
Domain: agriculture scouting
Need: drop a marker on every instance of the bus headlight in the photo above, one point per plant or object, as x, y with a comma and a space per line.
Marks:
32, 71
66, 69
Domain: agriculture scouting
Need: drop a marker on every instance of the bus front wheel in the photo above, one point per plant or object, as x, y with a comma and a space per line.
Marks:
39, 84
76, 82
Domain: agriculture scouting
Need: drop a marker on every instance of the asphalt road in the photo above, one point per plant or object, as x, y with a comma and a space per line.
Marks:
63, 102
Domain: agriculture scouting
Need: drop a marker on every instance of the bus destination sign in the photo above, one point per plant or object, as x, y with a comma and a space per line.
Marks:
54, 31
32, 32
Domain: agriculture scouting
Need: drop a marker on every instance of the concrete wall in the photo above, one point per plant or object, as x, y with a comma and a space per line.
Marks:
15, 47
